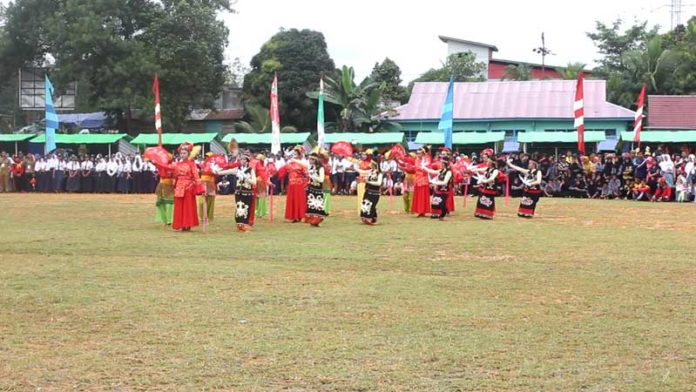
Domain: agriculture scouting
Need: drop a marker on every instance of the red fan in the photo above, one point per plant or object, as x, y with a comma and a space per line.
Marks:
158, 155
342, 148
217, 159
397, 152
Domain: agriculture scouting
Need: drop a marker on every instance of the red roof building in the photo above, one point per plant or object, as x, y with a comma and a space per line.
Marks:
671, 112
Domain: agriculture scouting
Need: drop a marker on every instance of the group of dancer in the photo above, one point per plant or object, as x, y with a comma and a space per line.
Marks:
186, 190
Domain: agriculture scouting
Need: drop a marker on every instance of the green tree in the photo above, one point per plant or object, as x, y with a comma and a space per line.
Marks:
390, 74
613, 43
571, 71
636, 56
237, 73
683, 43
517, 72
299, 57
461, 66
259, 121
115, 46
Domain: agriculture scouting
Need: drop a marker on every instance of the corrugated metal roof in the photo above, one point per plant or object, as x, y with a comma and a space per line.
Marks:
559, 137
152, 139
662, 136
216, 115
365, 138
672, 111
87, 138
538, 99
460, 137
445, 39
16, 137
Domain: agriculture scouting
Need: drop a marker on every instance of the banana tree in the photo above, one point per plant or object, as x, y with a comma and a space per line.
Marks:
357, 103
570, 71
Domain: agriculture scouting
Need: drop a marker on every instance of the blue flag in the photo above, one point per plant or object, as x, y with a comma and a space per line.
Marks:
51, 119
447, 116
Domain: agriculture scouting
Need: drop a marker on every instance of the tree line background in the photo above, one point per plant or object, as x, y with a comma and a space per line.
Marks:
112, 48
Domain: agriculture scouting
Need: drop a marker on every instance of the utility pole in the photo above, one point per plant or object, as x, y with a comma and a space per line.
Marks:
543, 51
675, 13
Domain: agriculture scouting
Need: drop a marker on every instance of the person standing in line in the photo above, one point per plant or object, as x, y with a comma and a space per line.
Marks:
87, 175
73, 182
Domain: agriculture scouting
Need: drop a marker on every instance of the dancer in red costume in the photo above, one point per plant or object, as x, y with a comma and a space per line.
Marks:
421, 194
186, 183
296, 201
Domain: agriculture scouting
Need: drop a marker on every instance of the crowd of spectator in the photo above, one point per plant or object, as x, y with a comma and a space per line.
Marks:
635, 175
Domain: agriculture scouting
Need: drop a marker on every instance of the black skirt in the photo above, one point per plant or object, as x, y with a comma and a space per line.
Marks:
530, 198
315, 201
87, 183
244, 199
138, 182
438, 203
485, 206
43, 181
110, 184
58, 181
368, 209
73, 183
123, 183
99, 182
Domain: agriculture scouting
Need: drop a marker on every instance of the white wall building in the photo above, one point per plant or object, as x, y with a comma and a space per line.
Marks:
483, 52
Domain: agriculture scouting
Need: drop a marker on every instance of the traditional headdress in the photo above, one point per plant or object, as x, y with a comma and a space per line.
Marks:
185, 146
488, 151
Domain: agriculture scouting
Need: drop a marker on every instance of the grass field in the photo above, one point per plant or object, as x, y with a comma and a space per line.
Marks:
588, 296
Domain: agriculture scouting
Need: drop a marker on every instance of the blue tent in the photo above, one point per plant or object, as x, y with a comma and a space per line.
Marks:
94, 120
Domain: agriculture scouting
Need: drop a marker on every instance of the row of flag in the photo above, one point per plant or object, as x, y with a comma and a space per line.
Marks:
445, 125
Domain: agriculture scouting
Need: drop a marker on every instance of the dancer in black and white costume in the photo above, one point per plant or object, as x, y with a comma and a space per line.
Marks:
532, 189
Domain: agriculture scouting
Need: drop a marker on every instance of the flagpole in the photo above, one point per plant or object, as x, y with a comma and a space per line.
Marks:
579, 112
158, 113
638, 121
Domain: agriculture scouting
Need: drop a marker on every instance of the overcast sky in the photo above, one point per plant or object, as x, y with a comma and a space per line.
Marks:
362, 32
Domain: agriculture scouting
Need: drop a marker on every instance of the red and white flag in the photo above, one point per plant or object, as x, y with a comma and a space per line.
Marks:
158, 114
275, 117
638, 122
579, 109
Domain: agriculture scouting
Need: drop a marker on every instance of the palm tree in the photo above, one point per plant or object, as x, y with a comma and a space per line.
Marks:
260, 121
517, 72
357, 103
571, 71
654, 64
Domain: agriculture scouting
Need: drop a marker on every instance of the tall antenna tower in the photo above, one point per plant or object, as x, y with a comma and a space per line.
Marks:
675, 13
